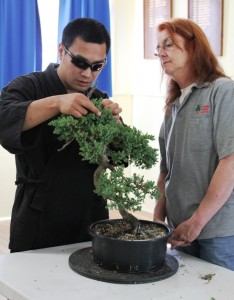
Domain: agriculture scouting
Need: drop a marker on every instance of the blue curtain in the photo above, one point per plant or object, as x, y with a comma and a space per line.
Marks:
97, 9
20, 38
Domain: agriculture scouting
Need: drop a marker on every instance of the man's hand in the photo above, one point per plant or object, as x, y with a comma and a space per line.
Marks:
114, 107
77, 105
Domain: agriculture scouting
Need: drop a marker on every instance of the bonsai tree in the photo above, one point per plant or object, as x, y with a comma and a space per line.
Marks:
112, 146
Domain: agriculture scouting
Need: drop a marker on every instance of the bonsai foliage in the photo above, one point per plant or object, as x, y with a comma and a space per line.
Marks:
112, 146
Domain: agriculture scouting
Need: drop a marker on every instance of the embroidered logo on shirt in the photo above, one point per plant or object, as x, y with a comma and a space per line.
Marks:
202, 109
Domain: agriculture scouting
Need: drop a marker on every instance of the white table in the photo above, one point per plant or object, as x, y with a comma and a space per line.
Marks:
45, 275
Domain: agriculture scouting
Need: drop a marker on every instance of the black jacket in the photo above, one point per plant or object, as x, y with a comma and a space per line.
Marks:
54, 202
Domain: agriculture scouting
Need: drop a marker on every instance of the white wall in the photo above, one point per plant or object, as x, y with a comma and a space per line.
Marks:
49, 30
7, 182
136, 81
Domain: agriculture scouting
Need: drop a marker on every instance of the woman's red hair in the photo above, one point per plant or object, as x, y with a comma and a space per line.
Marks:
204, 66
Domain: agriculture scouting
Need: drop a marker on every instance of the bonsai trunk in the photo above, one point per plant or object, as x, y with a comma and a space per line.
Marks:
105, 164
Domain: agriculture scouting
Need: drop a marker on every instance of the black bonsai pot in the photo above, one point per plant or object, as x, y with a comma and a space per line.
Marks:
129, 256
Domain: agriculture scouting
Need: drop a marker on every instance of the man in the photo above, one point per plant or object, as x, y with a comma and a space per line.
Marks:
55, 202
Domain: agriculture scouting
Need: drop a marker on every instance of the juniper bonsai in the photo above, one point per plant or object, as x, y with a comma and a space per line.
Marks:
112, 146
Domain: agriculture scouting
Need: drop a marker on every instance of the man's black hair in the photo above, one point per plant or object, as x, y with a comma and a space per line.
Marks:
88, 29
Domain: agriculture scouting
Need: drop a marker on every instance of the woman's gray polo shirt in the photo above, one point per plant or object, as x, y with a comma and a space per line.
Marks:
193, 138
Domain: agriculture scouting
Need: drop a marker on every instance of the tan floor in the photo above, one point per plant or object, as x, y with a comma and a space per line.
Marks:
4, 236
5, 227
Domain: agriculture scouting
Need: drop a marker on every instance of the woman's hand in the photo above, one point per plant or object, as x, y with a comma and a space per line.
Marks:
184, 234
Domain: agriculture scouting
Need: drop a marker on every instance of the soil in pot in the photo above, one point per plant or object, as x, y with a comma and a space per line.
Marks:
122, 230
115, 247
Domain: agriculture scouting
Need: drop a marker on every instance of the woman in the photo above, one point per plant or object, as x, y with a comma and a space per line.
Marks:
197, 145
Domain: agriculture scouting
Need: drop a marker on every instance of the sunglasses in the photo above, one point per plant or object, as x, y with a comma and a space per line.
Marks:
82, 64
